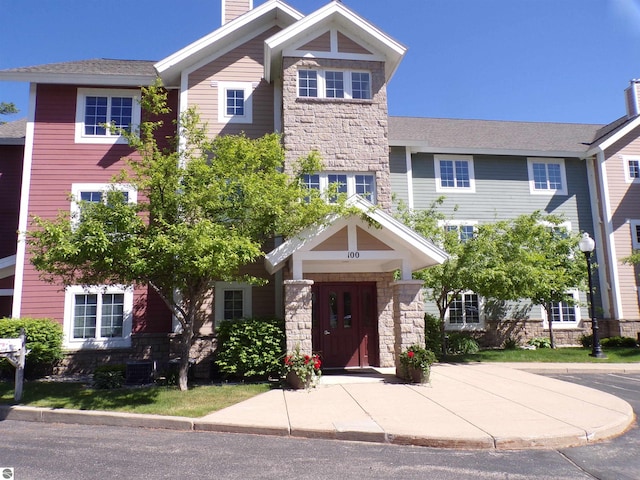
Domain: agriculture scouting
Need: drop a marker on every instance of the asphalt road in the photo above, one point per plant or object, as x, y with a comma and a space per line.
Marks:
72, 452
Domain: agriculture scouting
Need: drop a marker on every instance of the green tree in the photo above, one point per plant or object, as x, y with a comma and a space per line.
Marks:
529, 257
206, 209
7, 109
542, 260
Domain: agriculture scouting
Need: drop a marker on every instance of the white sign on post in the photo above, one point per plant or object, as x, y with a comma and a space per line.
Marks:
15, 351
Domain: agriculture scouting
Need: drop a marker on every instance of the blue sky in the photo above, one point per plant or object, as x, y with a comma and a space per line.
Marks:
526, 60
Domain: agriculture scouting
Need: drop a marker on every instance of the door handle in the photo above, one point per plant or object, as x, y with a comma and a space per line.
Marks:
327, 332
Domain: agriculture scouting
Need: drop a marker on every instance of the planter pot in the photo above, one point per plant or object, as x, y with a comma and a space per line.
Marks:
417, 375
297, 383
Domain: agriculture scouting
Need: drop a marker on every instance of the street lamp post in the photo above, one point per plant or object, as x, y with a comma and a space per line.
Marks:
587, 245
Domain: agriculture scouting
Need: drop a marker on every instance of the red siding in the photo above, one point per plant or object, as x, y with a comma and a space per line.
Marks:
57, 163
10, 182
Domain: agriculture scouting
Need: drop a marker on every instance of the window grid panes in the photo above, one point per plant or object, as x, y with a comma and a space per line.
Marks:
311, 181
233, 303
563, 312
634, 168
360, 85
464, 309
85, 316
547, 176
454, 174
102, 110
112, 319
340, 181
334, 84
307, 83
364, 186
235, 102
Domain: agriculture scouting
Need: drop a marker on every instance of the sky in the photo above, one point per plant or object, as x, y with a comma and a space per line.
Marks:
522, 60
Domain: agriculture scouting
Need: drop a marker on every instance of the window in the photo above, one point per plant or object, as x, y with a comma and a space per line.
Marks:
232, 301
98, 316
635, 233
349, 183
454, 173
465, 229
96, 192
563, 314
235, 103
464, 309
547, 176
631, 169
96, 108
334, 84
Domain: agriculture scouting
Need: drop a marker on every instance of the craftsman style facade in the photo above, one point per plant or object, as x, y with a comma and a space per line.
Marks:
321, 81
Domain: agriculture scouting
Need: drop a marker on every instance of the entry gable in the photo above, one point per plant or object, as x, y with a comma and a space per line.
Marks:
372, 241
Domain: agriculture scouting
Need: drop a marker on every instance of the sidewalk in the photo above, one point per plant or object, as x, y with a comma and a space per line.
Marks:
481, 406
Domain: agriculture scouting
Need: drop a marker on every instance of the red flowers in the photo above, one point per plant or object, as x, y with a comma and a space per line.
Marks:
410, 354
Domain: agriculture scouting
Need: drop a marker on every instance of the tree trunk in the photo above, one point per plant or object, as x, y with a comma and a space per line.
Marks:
185, 350
552, 340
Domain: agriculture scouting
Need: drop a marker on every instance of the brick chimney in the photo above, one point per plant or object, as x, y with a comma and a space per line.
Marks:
632, 96
232, 9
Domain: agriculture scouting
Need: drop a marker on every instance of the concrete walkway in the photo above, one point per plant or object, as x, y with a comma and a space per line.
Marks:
483, 406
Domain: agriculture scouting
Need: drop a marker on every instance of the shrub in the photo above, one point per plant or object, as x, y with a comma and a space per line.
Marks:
540, 342
462, 343
107, 377
586, 341
432, 333
510, 344
250, 348
44, 339
624, 342
417, 358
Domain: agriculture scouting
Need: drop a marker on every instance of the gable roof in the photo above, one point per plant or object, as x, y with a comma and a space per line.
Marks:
421, 252
613, 132
441, 135
231, 34
99, 71
13, 133
333, 14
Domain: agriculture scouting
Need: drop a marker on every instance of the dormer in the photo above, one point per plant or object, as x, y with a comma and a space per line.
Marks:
632, 96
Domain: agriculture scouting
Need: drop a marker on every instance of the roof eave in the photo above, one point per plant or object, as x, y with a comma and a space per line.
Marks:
421, 147
607, 142
83, 79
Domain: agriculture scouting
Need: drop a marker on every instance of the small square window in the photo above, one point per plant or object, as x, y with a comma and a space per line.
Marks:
307, 83
235, 102
365, 186
360, 85
632, 169
635, 234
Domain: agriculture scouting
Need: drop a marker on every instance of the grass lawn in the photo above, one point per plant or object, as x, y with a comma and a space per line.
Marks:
196, 402
548, 355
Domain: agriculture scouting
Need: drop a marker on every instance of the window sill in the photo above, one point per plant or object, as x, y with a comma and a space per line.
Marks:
92, 344
352, 101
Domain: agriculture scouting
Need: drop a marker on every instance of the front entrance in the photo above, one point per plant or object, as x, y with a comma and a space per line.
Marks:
345, 324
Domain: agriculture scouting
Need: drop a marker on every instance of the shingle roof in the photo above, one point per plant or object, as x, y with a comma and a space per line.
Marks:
96, 66
491, 135
13, 133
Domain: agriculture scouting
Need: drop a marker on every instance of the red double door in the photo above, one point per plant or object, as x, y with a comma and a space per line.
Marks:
345, 324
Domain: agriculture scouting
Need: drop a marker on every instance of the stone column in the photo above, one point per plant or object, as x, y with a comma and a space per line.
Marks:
408, 316
297, 315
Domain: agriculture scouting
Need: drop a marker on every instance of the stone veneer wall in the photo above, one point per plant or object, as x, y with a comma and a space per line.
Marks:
408, 312
297, 315
384, 298
350, 134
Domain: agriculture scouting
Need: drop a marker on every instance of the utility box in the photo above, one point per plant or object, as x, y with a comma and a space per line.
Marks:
139, 372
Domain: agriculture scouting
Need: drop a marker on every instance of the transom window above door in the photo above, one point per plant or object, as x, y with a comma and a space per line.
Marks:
363, 184
334, 84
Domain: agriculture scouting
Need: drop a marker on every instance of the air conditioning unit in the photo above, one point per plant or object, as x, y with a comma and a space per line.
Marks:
139, 372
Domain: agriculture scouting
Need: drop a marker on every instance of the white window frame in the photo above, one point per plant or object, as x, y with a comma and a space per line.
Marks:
564, 325
351, 182
98, 342
108, 138
458, 224
78, 188
247, 88
464, 325
547, 161
460, 158
626, 159
322, 83
247, 301
635, 239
